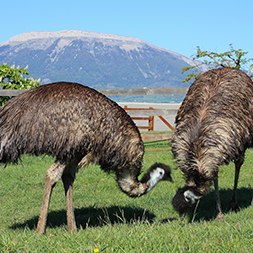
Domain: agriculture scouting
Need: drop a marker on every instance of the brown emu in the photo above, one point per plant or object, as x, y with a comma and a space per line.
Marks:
213, 127
77, 125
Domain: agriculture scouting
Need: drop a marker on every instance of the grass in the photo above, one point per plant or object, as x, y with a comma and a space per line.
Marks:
110, 221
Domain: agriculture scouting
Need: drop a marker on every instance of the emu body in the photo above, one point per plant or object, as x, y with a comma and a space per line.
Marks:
214, 126
76, 125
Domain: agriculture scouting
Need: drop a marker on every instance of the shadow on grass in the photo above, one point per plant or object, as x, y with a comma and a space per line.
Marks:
93, 217
206, 209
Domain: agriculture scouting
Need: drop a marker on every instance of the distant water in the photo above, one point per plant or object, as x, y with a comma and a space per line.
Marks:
171, 99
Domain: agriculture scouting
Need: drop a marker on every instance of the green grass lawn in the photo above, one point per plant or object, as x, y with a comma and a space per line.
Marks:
110, 221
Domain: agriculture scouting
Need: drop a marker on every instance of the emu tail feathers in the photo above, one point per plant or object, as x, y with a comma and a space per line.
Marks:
129, 183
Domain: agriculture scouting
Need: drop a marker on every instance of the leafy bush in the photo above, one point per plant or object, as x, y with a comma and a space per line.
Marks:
11, 78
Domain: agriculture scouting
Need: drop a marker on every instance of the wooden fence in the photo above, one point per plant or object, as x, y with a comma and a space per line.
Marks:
146, 113
117, 92
150, 119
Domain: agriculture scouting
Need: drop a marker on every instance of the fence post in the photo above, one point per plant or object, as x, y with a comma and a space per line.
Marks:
151, 121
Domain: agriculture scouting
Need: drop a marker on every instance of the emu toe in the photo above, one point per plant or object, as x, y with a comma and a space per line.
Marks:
232, 206
220, 216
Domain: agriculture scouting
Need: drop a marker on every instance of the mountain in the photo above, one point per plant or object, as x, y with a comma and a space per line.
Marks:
98, 60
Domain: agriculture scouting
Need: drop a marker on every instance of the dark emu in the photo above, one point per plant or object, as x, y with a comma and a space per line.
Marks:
213, 127
76, 125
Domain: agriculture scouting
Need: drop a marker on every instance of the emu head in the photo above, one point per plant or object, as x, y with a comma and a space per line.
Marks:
163, 170
185, 198
156, 173
129, 183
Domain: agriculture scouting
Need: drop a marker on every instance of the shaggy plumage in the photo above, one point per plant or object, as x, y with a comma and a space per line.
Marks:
214, 126
77, 125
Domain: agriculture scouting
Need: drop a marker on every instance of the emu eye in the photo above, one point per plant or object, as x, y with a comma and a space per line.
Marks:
161, 173
188, 199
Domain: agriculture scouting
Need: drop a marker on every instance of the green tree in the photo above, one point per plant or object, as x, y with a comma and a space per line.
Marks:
11, 78
231, 59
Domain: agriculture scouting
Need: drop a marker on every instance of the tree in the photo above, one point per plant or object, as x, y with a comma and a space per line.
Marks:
231, 59
11, 78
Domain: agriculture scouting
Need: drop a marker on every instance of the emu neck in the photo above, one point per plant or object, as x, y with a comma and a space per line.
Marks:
130, 185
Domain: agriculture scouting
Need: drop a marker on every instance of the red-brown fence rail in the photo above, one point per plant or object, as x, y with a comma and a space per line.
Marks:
150, 119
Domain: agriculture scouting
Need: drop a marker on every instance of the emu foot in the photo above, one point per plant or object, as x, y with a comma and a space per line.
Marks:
220, 216
232, 206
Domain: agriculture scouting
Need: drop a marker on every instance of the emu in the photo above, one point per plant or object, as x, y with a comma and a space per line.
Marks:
213, 127
76, 125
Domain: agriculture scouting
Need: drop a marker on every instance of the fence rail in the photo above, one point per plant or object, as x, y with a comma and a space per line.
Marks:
7, 93
154, 112
143, 92
117, 92
128, 92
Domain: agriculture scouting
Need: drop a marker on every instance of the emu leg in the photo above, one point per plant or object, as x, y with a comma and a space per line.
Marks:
53, 174
68, 181
232, 204
220, 214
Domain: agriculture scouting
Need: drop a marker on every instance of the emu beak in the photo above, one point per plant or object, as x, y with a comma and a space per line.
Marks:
182, 215
170, 178
167, 178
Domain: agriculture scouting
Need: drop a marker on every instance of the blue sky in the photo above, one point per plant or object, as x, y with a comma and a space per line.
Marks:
176, 25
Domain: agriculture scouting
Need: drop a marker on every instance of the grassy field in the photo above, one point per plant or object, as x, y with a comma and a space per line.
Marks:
110, 221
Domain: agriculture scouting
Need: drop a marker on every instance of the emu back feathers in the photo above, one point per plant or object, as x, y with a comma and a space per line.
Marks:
69, 121
215, 122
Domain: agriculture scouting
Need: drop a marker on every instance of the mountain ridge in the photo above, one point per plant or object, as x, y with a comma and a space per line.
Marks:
79, 34
98, 60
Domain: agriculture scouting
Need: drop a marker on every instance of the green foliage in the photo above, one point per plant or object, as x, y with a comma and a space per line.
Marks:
11, 78
232, 59
109, 221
